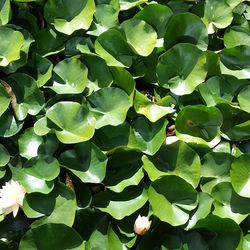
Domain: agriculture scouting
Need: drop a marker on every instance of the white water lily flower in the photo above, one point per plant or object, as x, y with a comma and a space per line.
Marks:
11, 197
142, 225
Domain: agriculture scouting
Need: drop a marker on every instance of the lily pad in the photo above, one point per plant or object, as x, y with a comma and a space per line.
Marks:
29, 99
74, 121
182, 68
120, 205
174, 159
235, 61
240, 173
68, 16
140, 35
86, 161
111, 45
171, 199
186, 28
109, 106
243, 98
124, 169
12, 42
70, 77
157, 15
4, 99
199, 124
28, 143
152, 110
236, 36
58, 236
217, 15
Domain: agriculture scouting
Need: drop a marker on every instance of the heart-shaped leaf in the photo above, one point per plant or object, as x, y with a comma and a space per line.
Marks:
68, 16
109, 106
240, 173
182, 68
74, 121
111, 45
152, 110
171, 199
28, 143
157, 16
199, 124
58, 236
174, 159
86, 161
140, 35
120, 205
124, 169
186, 28
70, 77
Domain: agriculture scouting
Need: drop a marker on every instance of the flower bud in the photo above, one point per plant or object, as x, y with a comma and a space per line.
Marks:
142, 225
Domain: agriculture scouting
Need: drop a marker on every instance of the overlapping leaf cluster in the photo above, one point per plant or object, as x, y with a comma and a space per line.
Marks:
114, 108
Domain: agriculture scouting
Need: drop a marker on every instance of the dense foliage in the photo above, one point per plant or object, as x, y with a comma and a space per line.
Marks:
111, 109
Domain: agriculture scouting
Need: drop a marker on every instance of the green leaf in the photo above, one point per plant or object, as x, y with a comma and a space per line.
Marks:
63, 205
128, 4
40, 127
216, 164
172, 204
199, 124
24, 50
186, 28
124, 169
12, 42
148, 137
4, 99
239, 174
235, 61
236, 36
246, 242
28, 143
109, 106
9, 124
157, 16
4, 156
52, 236
111, 45
43, 68
174, 159
29, 99
49, 42
236, 125
152, 110
243, 99
43, 167
86, 161
5, 12
228, 204
111, 137
74, 121
217, 14
34, 184
228, 233
182, 68
68, 16
218, 89
120, 205
205, 202
70, 77
124, 80
140, 35
98, 71
106, 16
